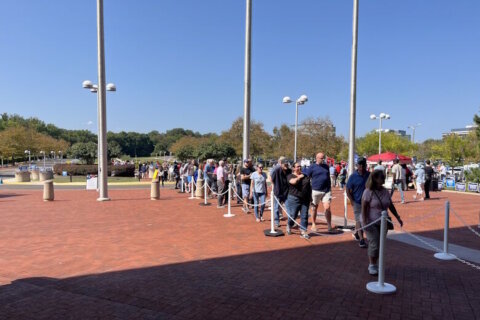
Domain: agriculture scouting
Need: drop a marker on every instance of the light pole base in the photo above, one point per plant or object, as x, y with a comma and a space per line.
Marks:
103, 199
202, 204
229, 215
444, 256
276, 233
375, 287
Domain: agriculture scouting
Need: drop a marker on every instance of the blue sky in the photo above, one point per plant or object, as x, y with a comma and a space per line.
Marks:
179, 63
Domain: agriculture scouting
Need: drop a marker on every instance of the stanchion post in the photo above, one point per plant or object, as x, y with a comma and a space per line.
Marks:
181, 188
229, 213
191, 189
380, 286
272, 232
445, 255
345, 226
205, 203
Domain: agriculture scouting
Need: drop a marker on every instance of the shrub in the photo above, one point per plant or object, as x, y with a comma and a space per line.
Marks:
85, 169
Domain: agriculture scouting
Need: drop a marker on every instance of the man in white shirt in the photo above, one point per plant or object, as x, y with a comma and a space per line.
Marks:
221, 184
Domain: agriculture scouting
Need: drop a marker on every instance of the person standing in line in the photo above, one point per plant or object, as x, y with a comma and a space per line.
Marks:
419, 176
404, 177
375, 199
298, 199
342, 176
176, 173
258, 190
276, 207
207, 175
190, 173
429, 172
245, 177
398, 177
221, 184
333, 175
280, 187
321, 189
355, 188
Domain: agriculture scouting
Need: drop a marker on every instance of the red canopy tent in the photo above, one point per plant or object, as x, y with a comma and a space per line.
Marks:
387, 158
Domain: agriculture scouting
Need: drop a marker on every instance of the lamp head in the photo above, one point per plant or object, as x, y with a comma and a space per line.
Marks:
87, 84
111, 87
94, 88
382, 115
373, 117
303, 98
27, 151
387, 116
286, 100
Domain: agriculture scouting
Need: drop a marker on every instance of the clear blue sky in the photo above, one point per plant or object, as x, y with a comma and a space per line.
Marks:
179, 63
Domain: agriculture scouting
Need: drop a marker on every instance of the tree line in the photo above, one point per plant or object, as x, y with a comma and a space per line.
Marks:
18, 134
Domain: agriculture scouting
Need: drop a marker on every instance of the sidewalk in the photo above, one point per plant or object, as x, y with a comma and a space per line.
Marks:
134, 258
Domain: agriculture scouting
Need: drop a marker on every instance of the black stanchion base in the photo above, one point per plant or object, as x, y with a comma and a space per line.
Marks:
204, 204
278, 233
345, 228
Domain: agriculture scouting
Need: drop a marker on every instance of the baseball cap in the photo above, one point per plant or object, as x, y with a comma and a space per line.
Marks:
284, 161
361, 161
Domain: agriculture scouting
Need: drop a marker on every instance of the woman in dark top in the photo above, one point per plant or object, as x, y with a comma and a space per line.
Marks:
299, 198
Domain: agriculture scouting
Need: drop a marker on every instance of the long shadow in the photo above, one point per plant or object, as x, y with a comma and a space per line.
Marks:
9, 195
312, 282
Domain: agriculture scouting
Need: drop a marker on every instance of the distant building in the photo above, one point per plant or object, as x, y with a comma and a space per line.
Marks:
462, 132
401, 133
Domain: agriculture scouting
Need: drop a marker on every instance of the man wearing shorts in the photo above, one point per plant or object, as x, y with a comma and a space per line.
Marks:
319, 174
355, 187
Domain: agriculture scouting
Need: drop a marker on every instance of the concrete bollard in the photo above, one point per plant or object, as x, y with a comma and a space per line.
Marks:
48, 193
199, 190
155, 190
35, 175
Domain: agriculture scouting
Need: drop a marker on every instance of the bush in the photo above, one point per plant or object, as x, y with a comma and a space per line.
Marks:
85, 169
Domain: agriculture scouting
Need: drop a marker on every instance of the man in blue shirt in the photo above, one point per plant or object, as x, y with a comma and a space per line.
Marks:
355, 187
319, 174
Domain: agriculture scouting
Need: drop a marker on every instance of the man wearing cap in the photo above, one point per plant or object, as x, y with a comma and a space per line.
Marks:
245, 174
319, 174
355, 187
280, 186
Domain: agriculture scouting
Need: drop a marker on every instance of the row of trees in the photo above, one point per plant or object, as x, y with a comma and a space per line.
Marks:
314, 134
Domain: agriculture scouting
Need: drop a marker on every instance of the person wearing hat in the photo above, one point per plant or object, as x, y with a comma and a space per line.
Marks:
245, 177
355, 187
419, 176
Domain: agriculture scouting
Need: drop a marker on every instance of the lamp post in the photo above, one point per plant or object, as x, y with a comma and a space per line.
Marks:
43, 152
353, 91
413, 127
87, 84
29, 158
53, 155
303, 98
381, 116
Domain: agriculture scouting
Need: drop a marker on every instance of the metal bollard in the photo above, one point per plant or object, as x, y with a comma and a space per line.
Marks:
192, 189
229, 213
155, 190
380, 286
48, 193
445, 255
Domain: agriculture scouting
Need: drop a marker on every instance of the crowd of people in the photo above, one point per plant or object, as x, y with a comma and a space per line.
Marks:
298, 188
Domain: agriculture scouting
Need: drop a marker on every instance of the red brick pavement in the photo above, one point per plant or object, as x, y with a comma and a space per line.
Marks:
132, 258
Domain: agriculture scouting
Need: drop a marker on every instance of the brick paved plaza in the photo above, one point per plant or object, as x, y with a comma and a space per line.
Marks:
132, 258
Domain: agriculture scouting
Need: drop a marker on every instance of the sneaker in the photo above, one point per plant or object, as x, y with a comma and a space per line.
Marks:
403, 201
261, 219
220, 207
258, 220
356, 236
305, 236
244, 210
289, 231
373, 269
277, 225
362, 244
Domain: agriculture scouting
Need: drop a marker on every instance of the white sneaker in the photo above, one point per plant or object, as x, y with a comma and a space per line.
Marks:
373, 269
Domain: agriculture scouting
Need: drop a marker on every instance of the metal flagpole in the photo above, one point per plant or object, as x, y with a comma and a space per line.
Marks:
353, 91
246, 106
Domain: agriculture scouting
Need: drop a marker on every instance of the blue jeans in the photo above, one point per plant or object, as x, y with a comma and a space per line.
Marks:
397, 184
295, 204
259, 197
276, 210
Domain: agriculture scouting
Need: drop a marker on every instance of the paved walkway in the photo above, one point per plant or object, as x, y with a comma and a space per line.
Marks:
132, 258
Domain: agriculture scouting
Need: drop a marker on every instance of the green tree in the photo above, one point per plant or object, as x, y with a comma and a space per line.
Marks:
114, 150
391, 142
85, 151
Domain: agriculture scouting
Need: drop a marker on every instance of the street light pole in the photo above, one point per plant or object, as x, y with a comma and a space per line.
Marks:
303, 98
413, 127
380, 117
353, 91
102, 106
247, 84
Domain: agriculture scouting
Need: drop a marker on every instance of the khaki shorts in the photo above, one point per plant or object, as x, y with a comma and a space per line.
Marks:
320, 196
357, 212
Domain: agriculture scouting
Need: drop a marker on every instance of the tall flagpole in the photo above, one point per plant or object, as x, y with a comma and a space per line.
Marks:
246, 103
353, 91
